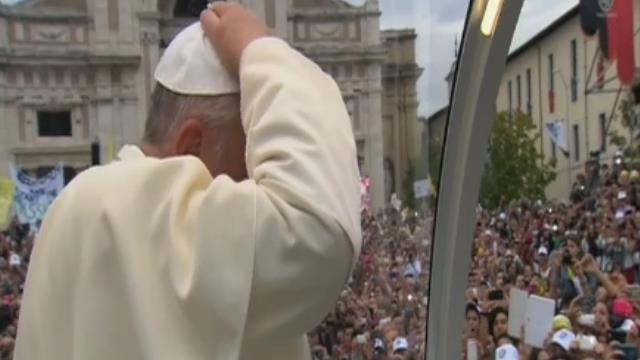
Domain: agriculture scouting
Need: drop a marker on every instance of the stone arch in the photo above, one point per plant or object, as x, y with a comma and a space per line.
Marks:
188, 8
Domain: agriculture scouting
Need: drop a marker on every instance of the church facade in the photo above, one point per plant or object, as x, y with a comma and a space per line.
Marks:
77, 75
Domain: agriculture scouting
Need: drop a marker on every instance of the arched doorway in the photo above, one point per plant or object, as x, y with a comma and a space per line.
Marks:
189, 8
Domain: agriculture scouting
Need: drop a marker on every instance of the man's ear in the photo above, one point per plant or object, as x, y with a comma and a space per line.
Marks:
188, 138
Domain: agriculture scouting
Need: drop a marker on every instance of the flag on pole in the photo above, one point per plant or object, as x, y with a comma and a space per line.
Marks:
613, 22
7, 190
558, 133
113, 149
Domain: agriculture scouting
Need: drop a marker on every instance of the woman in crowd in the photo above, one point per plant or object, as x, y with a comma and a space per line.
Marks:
499, 318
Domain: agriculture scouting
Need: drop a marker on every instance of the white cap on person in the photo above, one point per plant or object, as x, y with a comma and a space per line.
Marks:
627, 325
564, 338
400, 344
543, 251
378, 344
507, 352
191, 66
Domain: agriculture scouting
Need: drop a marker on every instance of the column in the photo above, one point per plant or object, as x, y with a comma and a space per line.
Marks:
374, 149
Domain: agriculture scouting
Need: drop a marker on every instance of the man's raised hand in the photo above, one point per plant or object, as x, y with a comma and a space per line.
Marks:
231, 28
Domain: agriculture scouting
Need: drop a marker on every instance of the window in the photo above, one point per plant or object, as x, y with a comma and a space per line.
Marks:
529, 105
362, 71
551, 87
113, 15
28, 77
603, 131
574, 70
348, 71
510, 97
42, 171
551, 70
54, 123
43, 76
576, 143
518, 92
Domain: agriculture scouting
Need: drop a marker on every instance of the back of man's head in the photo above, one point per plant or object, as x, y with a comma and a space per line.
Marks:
169, 110
195, 107
208, 127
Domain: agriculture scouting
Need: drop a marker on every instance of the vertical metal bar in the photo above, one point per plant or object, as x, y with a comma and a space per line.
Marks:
471, 115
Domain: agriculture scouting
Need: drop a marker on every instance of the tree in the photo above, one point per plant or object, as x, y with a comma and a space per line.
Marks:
515, 169
627, 142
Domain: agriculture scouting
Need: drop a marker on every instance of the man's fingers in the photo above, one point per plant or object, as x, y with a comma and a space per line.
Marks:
221, 7
209, 21
230, 28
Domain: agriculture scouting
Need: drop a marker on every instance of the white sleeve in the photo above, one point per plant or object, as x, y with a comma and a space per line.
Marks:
301, 155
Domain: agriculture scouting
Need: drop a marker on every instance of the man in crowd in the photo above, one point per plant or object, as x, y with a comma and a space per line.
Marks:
227, 236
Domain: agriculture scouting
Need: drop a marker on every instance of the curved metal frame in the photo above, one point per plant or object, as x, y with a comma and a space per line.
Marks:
471, 114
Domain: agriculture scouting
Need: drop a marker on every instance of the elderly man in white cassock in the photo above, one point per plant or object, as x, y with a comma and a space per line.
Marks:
228, 235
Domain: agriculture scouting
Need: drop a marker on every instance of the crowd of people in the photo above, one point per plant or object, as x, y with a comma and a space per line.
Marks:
381, 314
583, 254
15, 248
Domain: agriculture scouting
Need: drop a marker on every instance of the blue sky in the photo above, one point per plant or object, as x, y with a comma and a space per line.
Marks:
438, 23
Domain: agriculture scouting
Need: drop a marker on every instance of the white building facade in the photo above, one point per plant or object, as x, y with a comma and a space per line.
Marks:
77, 72
547, 77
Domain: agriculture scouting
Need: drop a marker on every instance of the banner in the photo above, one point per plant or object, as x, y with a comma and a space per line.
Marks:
558, 133
621, 38
422, 188
33, 196
7, 191
613, 22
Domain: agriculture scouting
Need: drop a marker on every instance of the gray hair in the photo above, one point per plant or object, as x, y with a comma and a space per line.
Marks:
169, 109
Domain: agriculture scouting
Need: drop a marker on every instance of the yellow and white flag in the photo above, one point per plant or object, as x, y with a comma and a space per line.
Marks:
7, 191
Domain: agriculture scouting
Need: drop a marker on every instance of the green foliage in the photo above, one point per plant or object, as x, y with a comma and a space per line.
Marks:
628, 120
515, 169
616, 139
626, 114
409, 195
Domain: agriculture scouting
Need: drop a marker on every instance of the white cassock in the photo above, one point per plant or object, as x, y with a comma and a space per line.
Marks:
155, 259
